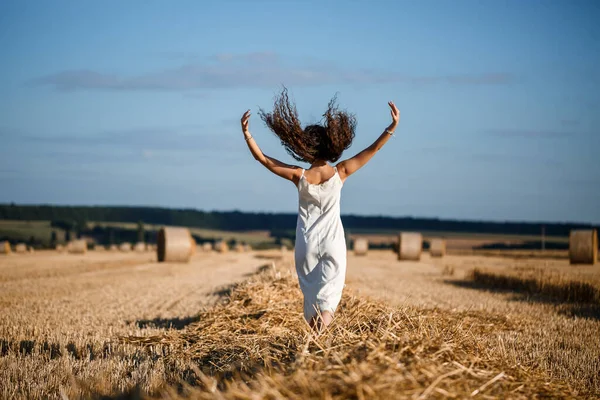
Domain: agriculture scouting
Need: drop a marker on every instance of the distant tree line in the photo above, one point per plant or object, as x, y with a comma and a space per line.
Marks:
279, 222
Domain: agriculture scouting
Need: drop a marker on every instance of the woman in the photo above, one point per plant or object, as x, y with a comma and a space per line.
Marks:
320, 251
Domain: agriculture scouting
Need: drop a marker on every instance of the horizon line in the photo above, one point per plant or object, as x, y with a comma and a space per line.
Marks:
590, 224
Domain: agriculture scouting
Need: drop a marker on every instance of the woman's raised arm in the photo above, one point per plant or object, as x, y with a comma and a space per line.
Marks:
289, 172
348, 167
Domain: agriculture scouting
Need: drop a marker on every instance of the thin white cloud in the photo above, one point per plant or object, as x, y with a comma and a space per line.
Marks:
257, 70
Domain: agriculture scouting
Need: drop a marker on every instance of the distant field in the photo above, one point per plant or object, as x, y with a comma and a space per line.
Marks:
466, 243
250, 237
41, 230
459, 241
459, 235
23, 230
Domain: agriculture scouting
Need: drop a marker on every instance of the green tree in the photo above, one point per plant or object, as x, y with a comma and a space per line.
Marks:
80, 226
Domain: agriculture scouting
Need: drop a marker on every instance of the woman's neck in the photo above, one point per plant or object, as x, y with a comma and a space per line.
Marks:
318, 163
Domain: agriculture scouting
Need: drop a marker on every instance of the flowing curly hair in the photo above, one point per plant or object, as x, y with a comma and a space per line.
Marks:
326, 141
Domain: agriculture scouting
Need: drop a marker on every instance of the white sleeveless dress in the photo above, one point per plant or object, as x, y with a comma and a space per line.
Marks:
320, 251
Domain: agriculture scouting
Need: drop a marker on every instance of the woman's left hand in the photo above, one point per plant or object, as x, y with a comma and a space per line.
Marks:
245, 122
395, 113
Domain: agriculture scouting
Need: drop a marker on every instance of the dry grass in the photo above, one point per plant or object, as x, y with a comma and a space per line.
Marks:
559, 338
538, 281
122, 326
516, 254
256, 346
448, 270
61, 316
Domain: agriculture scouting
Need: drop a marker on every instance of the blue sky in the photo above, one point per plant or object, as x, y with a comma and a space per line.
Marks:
138, 103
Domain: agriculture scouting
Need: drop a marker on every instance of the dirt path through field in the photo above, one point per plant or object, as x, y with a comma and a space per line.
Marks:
99, 294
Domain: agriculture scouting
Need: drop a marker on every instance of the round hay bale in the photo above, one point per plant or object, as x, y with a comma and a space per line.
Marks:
99, 247
240, 248
125, 247
361, 246
437, 247
583, 246
194, 245
31, 249
221, 247
207, 246
410, 245
77, 246
5, 247
174, 245
139, 247
21, 248
113, 247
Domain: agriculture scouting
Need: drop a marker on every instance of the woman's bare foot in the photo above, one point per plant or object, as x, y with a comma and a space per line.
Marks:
321, 321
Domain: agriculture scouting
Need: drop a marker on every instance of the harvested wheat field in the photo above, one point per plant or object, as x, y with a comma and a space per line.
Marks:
120, 324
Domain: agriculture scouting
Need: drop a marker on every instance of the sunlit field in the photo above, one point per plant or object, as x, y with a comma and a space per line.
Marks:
230, 326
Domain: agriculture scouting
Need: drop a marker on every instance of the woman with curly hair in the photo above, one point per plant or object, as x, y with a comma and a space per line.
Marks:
320, 250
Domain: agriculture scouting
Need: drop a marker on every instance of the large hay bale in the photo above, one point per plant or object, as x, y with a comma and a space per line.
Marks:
5, 247
113, 247
240, 248
77, 246
60, 248
207, 246
583, 246
125, 247
174, 245
193, 244
410, 245
139, 247
221, 246
361, 246
437, 247
99, 247
21, 248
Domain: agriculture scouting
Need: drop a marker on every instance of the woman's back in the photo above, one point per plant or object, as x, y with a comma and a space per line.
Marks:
319, 203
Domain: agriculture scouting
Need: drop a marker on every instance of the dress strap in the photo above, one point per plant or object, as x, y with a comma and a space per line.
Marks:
302, 176
335, 169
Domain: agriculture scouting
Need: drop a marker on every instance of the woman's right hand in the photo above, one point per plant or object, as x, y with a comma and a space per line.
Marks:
245, 122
